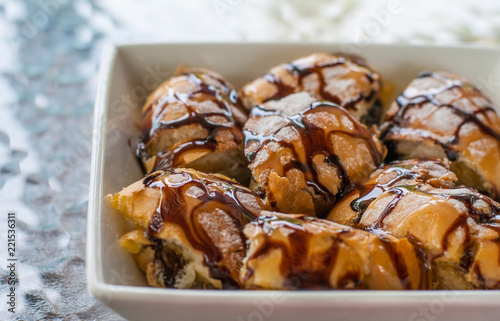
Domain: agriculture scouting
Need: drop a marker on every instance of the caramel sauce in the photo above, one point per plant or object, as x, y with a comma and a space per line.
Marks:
225, 97
399, 120
171, 158
399, 265
481, 218
218, 193
300, 72
369, 192
315, 141
295, 250
399, 191
488, 218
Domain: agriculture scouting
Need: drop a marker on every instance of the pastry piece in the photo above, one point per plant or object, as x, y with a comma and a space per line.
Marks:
300, 252
346, 80
193, 120
303, 153
188, 227
443, 115
458, 229
420, 173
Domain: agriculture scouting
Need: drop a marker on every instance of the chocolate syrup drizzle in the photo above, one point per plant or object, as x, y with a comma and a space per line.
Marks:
315, 141
369, 192
217, 193
295, 250
224, 96
399, 120
489, 218
300, 72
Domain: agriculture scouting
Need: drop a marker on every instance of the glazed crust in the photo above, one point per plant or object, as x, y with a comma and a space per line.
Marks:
346, 80
302, 153
300, 252
421, 173
193, 120
179, 215
443, 115
409, 224
457, 228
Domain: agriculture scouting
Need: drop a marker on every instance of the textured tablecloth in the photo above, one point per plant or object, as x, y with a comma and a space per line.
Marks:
49, 58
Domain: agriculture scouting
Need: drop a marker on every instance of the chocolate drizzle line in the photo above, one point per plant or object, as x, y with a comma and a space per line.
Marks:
489, 218
315, 141
224, 96
399, 191
368, 193
300, 72
399, 265
295, 250
217, 193
399, 120
170, 158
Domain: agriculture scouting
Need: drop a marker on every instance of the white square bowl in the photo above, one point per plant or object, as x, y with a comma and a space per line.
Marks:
130, 72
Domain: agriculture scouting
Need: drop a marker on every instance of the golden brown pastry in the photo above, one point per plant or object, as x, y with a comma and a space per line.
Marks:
303, 152
458, 229
346, 80
420, 173
193, 120
300, 252
188, 227
443, 115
